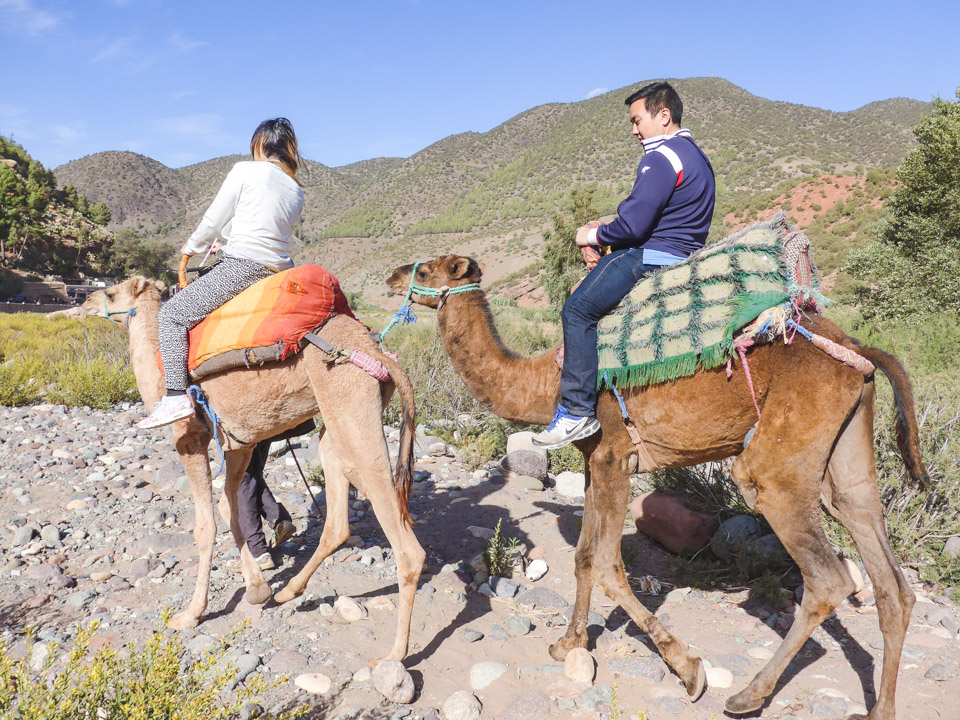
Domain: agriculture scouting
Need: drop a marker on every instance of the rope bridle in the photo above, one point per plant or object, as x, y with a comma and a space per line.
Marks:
405, 314
132, 312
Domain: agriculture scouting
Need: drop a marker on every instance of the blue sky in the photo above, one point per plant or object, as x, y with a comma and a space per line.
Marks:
186, 81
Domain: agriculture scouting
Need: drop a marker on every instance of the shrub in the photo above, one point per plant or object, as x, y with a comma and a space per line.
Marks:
499, 554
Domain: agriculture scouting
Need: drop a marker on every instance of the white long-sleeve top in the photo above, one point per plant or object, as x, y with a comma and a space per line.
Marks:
254, 212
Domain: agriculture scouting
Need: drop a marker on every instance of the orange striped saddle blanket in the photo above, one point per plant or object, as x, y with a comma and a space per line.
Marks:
266, 322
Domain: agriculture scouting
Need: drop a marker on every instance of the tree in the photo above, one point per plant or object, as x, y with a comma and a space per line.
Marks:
99, 213
912, 269
562, 260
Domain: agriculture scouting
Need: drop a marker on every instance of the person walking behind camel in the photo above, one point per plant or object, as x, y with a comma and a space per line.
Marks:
665, 218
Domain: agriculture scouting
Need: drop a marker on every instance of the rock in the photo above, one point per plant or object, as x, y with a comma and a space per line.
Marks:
615, 643
245, 664
392, 680
593, 618
44, 573
519, 625
667, 520
733, 535
50, 534
287, 662
462, 705
202, 645
952, 547
526, 462
765, 551
718, 677
571, 485
373, 555
141, 568
314, 683
381, 603
168, 473
736, 664
855, 574
592, 698
580, 666
22, 535
543, 598
75, 505
437, 449
820, 709
536, 570
526, 482
349, 609
938, 672
251, 710
471, 635
504, 587
671, 705
81, 598
38, 656
528, 705
484, 673
363, 674
652, 668
523, 441
481, 532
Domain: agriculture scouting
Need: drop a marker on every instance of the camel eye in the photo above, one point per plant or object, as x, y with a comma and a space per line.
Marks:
421, 274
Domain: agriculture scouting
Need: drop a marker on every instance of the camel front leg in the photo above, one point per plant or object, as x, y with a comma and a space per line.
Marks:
191, 444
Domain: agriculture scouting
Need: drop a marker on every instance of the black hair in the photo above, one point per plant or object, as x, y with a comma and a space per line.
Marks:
276, 139
657, 96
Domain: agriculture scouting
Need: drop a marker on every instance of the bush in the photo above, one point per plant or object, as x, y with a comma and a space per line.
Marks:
119, 685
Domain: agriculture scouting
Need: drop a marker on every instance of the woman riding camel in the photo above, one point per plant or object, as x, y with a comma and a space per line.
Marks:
254, 213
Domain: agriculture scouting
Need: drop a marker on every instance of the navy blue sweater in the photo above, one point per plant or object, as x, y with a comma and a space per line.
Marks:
671, 204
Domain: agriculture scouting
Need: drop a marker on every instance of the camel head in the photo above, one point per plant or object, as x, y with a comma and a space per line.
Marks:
114, 303
445, 271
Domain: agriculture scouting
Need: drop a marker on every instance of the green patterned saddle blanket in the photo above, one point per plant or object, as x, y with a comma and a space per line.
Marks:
683, 318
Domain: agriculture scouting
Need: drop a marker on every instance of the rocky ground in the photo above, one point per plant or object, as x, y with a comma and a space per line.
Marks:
96, 523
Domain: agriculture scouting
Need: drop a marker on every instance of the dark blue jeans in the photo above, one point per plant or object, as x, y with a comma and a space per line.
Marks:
601, 291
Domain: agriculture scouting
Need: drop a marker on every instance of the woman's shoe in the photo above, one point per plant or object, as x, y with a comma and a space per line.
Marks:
170, 409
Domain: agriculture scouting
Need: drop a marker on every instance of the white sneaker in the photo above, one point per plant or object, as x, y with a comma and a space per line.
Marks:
564, 429
170, 409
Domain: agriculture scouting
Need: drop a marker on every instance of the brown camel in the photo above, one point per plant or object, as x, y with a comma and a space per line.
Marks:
815, 442
257, 403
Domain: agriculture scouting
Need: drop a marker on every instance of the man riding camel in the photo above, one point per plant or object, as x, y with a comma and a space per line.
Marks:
665, 218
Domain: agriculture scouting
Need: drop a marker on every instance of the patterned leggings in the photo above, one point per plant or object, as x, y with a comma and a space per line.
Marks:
192, 304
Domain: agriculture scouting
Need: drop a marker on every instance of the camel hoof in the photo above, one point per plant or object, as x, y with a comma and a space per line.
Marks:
695, 689
257, 594
286, 595
558, 652
183, 620
743, 703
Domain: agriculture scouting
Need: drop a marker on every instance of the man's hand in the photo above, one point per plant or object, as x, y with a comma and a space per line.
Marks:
583, 234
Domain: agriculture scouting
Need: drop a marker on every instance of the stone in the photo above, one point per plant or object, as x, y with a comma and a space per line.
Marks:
593, 618
820, 709
528, 705
736, 664
168, 473
391, 679
733, 535
523, 441
718, 677
542, 598
75, 505
287, 662
519, 625
141, 568
484, 673
504, 587
525, 462
536, 570
471, 635
652, 668
81, 598
363, 674
22, 535
671, 705
938, 672
615, 643
462, 705
437, 449
580, 666
481, 532
952, 547
592, 698
571, 485
667, 520
526, 482
50, 534
314, 683
202, 645
349, 609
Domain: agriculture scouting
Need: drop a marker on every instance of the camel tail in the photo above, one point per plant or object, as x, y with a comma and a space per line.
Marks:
403, 474
908, 434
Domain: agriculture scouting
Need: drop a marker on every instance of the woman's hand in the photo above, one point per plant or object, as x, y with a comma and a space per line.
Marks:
185, 251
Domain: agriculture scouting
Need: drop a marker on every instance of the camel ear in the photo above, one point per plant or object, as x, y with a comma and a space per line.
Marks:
140, 285
159, 285
461, 267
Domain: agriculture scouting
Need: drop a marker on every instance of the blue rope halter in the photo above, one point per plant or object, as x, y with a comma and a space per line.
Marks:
132, 312
201, 399
405, 315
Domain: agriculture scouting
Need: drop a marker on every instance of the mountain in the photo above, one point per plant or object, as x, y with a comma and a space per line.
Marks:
492, 193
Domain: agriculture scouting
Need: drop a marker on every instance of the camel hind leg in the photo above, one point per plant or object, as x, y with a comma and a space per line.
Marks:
257, 590
785, 464
336, 527
851, 495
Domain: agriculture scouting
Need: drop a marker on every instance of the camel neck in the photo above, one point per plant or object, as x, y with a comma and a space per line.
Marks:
516, 388
144, 345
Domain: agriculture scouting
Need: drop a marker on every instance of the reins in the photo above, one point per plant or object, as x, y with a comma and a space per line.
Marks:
405, 314
132, 312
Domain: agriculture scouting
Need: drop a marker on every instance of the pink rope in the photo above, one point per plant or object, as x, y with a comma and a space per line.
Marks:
741, 346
